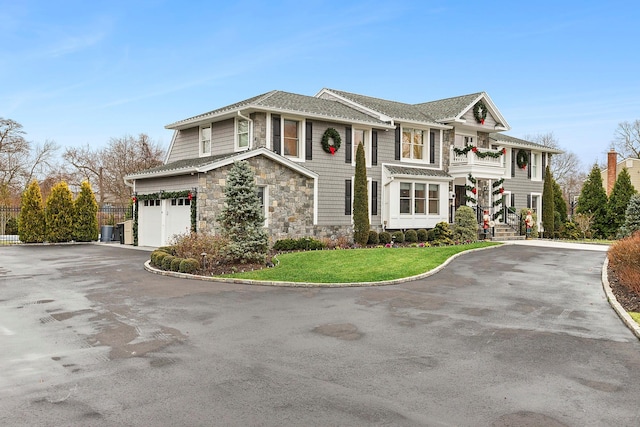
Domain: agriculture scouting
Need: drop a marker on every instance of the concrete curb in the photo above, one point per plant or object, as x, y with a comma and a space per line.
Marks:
149, 268
622, 313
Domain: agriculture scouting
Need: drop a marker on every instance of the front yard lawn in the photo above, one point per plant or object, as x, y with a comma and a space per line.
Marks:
356, 265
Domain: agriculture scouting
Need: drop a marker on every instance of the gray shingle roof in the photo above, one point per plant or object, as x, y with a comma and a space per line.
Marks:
499, 137
291, 102
184, 165
407, 170
396, 110
449, 107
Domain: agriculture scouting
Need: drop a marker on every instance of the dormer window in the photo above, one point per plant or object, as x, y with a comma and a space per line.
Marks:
242, 134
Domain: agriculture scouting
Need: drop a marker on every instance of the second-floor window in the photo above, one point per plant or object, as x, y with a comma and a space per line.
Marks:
205, 141
413, 144
291, 138
242, 134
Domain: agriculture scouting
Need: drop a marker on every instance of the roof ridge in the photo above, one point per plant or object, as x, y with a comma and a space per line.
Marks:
451, 97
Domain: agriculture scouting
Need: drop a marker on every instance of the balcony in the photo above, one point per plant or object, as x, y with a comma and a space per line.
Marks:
479, 162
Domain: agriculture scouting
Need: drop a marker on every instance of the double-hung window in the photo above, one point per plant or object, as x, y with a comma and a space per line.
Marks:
291, 138
242, 134
418, 198
434, 199
413, 144
205, 141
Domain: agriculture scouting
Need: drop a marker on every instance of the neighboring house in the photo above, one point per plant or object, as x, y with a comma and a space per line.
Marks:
423, 161
610, 174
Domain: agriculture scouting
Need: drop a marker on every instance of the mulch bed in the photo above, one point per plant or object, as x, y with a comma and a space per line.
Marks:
629, 300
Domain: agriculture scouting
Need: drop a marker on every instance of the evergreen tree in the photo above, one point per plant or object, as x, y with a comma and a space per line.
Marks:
560, 205
31, 222
548, 205
632, 217
59, 214
465, 225
242, 219
618, 201
85, 220
360, 200
593, 200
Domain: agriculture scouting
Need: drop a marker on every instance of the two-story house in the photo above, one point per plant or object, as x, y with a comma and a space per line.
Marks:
423, 161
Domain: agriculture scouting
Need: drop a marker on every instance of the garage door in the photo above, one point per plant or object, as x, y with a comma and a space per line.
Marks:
160, 220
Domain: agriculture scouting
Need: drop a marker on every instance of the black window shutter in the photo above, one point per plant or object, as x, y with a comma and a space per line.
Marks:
432, 148
374, 147
347, 197
347, 144
544, 164
275, 132
308, 141
513, 200
529, 201
374, 197
529, 165
513, 162
397, 151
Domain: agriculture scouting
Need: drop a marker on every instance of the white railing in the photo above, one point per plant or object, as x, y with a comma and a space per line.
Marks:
471, 158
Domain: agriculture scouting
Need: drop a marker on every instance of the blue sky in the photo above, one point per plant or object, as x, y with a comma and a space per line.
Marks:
79, 72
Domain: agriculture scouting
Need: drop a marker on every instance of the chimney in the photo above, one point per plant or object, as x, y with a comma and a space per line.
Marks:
612, 166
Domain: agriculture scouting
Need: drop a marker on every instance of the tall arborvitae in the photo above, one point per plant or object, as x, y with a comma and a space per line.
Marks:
593, 200
31, 222
560, 205
548, 205
242, 218
618, 201
360, 200
59, 214
85, 220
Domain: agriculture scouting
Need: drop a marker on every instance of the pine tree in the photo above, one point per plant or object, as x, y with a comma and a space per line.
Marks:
242, 219
632, 217
31, 222
618, 201
548, 205
465, 226
593, 200
361, 224
59, 214
85, 220
560, 205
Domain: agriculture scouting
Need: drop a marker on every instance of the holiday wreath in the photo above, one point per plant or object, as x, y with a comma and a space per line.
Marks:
522, 159
480, 112
328, 134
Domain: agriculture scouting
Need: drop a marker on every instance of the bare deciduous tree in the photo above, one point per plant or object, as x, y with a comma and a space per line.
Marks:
564, 166
106, 168
626, 139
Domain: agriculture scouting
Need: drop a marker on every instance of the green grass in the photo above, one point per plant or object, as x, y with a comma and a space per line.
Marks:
357, 265
635, 316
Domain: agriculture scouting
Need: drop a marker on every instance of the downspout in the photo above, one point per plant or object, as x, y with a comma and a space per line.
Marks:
250, 129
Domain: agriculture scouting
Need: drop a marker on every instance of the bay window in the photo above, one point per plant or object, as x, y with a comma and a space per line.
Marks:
418, 198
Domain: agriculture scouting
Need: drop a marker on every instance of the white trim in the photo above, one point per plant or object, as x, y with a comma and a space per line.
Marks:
171, 144
301, 131
236, 121
201, 152
367, 145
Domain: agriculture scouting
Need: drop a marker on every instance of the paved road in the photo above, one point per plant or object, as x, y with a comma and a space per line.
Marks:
517, 335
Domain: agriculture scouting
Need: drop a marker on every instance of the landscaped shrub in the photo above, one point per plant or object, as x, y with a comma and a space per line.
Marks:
175, 263
301, 244
422, 235
632, 217
166, 262
85, 219
193, 245
442, 234
59, 214
11, 227
431, 235
398, 236
570, 230
373, 238
624, 259
465, 226
411, 236
384, 237
157, 256
189, 266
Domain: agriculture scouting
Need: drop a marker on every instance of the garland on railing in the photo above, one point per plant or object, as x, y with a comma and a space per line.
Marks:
480, 154
164, 195
499, 190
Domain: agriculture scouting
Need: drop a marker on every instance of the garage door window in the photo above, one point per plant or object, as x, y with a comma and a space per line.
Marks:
152, 202
180, 202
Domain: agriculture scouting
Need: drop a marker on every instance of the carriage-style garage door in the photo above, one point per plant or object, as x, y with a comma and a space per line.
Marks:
159, 220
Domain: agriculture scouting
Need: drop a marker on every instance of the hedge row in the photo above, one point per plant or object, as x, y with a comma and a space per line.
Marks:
163, 259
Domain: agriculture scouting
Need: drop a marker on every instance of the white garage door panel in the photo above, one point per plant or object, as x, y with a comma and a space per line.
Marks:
177, 221
149, 225
158, 224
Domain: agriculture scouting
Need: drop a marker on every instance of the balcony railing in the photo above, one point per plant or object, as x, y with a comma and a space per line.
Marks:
471, 158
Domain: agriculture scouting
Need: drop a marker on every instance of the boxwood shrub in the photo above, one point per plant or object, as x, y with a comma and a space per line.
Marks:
411, 236
422, 235
189, 266
398, 236
166, 262
175, 263
374, 239
384, 237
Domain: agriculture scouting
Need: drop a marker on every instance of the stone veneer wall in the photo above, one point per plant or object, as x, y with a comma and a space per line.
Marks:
259, 130
289, 201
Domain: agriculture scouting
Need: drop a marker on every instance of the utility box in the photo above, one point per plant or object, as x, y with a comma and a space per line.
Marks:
128, 232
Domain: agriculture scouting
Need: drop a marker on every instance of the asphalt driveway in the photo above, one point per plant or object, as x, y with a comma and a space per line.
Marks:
516, 335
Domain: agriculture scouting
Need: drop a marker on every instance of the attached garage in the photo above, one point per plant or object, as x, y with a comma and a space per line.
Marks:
161, 219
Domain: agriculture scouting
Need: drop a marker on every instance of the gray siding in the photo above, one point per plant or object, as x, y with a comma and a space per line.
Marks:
522, 186
185, 145
489, 121
173, 183
222, 137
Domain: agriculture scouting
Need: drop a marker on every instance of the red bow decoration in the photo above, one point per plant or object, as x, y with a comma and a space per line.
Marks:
474, 149
501, 190
190, 196
504, 151
482, 121
332, 149
134, 199
473, 190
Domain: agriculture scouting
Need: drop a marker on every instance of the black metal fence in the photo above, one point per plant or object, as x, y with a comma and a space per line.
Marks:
107, 215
